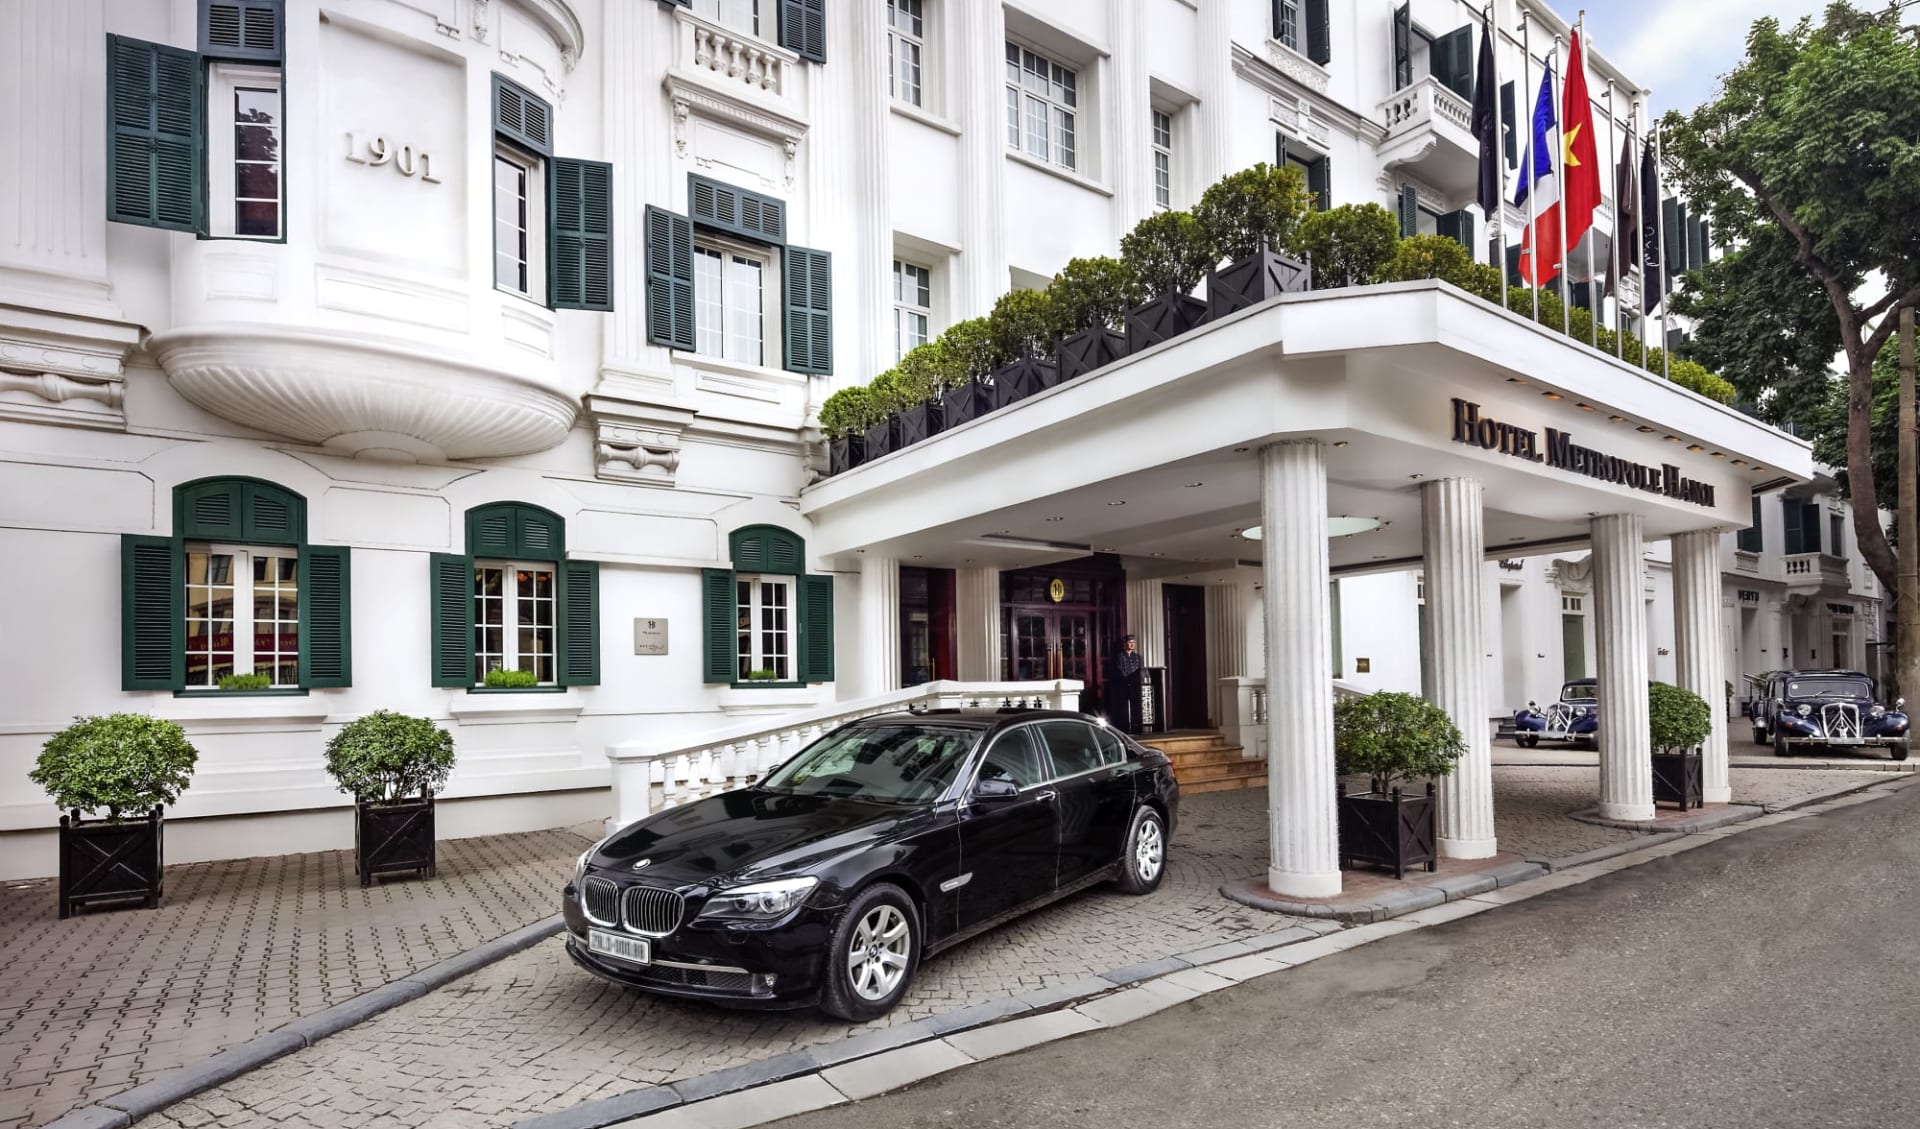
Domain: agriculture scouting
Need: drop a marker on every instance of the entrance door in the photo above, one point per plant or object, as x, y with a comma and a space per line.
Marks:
1186, 609
1052, 644
1573, 645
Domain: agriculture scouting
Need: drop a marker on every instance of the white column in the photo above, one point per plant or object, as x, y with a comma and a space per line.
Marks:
638, 45
879, 656
1128, 127
982, 274
871, 351
1147, 620
1620, 644
976, 626
1773, 636
1453, 541
1696, 647
1214, 115
1303, 831
1226, 641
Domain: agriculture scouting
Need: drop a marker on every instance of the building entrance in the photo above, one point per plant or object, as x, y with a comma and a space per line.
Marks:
1063, 621
1186, 611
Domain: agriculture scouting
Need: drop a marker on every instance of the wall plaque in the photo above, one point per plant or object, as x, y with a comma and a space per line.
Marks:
649, 636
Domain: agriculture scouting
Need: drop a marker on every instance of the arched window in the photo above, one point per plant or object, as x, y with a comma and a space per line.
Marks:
767, 622
514, 613
236, 599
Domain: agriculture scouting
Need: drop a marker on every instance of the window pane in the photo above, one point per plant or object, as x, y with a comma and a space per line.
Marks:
708, 321
509, 225
1072, 745
744, 310
1013, 757
1064, 124
1013, 117
1037, 127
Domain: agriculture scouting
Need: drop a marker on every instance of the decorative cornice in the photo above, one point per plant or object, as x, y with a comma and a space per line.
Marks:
636, 441
1266, 75
689, 89
560, 22
74, 368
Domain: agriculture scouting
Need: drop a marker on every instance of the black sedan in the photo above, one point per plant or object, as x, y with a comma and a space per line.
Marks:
882, 843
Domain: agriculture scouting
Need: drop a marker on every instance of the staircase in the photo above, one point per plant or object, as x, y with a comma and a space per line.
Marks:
1203, 762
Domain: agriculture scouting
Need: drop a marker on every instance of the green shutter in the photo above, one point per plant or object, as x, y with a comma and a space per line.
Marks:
737, 211
767, 548
1810, 524
816, 629
326, 616
1320, 183
241, 29
1510, 130
239, 509
580, 235
1319, 31
522, 117
1751, 538
1453, 61
808, 277
1459, 226
669, 279
152, 613
515, 530
156, 140
1696, 243
580, 623
451, 609
1672, 220
803, 28
1402, 47
1409, 212
718, 615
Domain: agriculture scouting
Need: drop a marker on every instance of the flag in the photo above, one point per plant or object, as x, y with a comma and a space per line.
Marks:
1580, 187
1541, 244
1626, 225
1486, 125
1654, 271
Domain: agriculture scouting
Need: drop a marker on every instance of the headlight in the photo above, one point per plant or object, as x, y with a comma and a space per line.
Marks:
580, 865
1805, 710
762, 901
1878, 711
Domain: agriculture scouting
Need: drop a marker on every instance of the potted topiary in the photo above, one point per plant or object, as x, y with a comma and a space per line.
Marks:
1349, 245
1021, 331
391, 764
1091, 298
923, 373
1392, 739
1678, 721
969, 357
1247, 216
883, 414
130, 766
1168, 253
843, 419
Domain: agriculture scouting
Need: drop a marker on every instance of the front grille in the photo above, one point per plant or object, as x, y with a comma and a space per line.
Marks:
1840, 720
1559, 717
600, 899
649, 909
738, 982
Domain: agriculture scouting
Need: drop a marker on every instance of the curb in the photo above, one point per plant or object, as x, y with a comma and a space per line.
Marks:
1391, 904
180, 1083
1830, 793
1688, 824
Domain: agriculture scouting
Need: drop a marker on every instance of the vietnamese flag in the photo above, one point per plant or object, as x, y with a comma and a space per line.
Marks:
1580, 189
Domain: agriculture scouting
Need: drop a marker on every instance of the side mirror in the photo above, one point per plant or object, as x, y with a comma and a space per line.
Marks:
993, 791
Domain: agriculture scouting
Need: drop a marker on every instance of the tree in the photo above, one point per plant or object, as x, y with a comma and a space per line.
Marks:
1349, 244
1813, 146
1169, 252
1254, 209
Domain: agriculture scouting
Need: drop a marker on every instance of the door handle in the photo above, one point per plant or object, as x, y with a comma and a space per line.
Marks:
1047, 796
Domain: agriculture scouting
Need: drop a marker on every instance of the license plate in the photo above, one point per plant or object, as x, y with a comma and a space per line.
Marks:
630, 949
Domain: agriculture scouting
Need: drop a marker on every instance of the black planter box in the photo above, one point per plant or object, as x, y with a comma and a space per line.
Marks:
1388, 829
394, 838
1677, 780
923, 421
963, 402
1023, 378
105, 863
1163, 319
883, 438
845, 453
1253, 280
1088, 350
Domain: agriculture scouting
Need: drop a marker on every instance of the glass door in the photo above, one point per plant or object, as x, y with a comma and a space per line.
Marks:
1032, 652
1073, 634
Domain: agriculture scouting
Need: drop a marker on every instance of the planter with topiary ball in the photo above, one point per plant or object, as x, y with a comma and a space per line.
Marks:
391, 764
1246, 216
1394, 740
1678, 722
129, 766
1168, 253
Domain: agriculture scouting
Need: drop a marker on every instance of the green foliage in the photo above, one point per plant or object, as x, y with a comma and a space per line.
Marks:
969, 348
1022, 321
125, 764
1256, 207
1391, 737
1169, 252
923, 372
1428, 256
1094, 292
510, 679
847, 412
762, 675
1694, 377
1482, 280
387, 756
245, 682
1677, 720
1350, 245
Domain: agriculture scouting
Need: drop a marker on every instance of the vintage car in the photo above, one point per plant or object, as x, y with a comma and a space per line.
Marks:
883, 842
1827, 708
1575, 718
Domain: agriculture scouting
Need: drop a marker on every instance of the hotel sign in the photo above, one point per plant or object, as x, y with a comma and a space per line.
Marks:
1561, 453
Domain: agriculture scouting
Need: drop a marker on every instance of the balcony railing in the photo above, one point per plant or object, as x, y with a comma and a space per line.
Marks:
1429, 133
1243, 701
731, 55
1822, 569
1421, 104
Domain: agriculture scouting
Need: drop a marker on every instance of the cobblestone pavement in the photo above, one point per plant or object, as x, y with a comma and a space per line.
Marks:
97, 1003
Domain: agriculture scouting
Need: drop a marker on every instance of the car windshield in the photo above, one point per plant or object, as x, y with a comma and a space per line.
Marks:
1829, 688
1576, 692
900, 764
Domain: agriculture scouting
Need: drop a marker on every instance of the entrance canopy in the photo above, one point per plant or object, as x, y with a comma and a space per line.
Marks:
1153, 457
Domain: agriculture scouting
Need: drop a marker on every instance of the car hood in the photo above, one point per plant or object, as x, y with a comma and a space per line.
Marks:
743, 833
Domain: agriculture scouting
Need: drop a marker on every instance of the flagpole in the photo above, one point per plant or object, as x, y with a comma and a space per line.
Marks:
1593, 299
1499, 219
1558, 94
1527, 161
1616, 270
1639, 153
1659, 163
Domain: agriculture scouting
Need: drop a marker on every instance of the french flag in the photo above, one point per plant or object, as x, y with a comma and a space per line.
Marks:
1540, 250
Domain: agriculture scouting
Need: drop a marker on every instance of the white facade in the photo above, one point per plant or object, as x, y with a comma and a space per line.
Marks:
394, 360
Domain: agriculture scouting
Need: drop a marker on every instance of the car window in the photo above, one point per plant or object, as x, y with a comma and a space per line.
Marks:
1014, 756
1112, 749
1072, 746
888, 763
1829, 688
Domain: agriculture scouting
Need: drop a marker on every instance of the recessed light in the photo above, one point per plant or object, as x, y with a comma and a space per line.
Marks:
1159, 554
1739, 462
1416, 476
1512, 539
1056, 519
1616, 419
1719, 454
919, 557
1515, 380
1760, 470
1340, 442
1195, 485
1380, 557
1551, 395
1586, 407
1121, 502
1644, 429
1695, 447
1673, 439
1241, 450
859, 550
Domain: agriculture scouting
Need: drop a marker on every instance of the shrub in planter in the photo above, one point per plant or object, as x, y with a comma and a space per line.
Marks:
1392, 739
391, 764
1349, 245
1022, 323
1022, 378
1169, 253
1678, 722
129, 766
511, 679
245, 682
921, 376
1091, 298
1429, 256
844, 421
1253, 210
1255, 279
884, 404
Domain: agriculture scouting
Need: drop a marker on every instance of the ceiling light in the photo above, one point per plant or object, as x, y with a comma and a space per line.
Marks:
1616, 419
1416, 476
1512, 539
1159, 554
1739, 462
1380, 557
1241, 450
1644, 429
1586, 407
1673, 439
1194, 485
1719, 454
1340, 442
1551, 395
1122, 502
1056, 519
1760, 470
1695, 447
1515, 380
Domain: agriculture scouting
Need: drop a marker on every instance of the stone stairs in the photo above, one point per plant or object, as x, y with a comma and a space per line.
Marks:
1203, 762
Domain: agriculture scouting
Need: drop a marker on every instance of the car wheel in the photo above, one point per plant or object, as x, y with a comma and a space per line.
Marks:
1779, 743
1898, 749
1144, 861
1760, 737
1529, 742
871, 959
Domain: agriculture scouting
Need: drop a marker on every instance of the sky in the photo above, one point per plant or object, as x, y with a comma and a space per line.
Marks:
1679, 48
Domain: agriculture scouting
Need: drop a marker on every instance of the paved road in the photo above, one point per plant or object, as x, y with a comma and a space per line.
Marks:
1765, 980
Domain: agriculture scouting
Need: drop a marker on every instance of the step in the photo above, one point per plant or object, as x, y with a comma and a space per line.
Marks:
1225, 754
1183, 742
1225, 771
1232, 784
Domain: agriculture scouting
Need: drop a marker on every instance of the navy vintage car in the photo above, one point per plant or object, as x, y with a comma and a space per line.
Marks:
1575, 718
1828, 708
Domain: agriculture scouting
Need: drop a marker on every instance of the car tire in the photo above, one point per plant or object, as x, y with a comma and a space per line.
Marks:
1780, 744
857, 989
1529, 742
1143, 862
1898, 749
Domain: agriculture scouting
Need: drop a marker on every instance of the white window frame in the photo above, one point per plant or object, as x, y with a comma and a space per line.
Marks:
224, 80
509, 656
907, 307
1292, 8
904, 44
1162, 127
742, 16
751, 652
1062, 104
536, 219
772, 320
242, 619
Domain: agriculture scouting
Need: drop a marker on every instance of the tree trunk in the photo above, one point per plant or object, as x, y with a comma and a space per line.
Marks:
1862, 490
1907, 641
